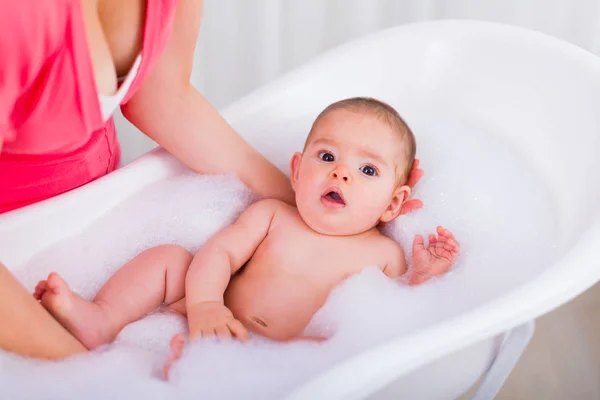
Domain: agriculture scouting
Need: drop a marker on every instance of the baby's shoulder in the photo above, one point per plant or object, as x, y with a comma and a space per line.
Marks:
386, 247
389, 255
270, 204
276, 210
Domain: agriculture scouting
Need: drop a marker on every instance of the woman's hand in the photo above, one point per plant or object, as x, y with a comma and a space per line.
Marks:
415, 175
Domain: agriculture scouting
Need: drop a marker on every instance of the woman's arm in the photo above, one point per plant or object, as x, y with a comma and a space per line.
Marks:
169, 110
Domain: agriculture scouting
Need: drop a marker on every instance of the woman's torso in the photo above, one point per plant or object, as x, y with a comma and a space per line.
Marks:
74, 53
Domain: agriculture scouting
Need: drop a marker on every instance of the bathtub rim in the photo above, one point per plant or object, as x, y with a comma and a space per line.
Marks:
417, 349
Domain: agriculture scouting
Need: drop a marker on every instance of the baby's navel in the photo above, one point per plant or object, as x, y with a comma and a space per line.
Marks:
258, 321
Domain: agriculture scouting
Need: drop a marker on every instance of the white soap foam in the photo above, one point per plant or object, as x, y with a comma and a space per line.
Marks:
475, 185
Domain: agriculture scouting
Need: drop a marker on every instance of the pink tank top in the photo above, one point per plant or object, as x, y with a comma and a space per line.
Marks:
55, 138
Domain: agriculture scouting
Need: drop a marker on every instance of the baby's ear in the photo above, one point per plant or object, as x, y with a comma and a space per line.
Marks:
400, 196
294, 168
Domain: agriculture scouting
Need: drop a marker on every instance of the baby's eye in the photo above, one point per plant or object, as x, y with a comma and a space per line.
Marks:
326, 156
368, 170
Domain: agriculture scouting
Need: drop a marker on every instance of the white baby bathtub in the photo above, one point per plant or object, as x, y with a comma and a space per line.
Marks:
482, 69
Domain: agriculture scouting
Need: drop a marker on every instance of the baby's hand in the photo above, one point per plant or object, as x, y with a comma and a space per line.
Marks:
436, 259
206, 319
212, 318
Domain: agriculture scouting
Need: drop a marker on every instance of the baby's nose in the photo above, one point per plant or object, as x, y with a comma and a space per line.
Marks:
341, 173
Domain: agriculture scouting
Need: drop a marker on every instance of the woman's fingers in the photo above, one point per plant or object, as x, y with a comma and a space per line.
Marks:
415, 174
411, 205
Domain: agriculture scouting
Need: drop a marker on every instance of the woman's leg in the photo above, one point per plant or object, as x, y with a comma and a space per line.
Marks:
26, 328
154, 277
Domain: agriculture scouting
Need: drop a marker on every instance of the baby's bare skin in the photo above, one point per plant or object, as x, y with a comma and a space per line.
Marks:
282, 286
275, 294
273, 269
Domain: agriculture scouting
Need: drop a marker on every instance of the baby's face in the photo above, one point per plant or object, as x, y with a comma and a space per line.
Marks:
346, 180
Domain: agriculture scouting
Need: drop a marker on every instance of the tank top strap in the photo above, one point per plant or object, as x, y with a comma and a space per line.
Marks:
160, 15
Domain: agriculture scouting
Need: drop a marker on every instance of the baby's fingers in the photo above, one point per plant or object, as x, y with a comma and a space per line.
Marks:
205, 333
223, 332
238, 330
449, 244
443, 232
455, 245
446, 240
445, 251
446, 237
418, 244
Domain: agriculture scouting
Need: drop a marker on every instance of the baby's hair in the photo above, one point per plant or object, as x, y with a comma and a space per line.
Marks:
384, 112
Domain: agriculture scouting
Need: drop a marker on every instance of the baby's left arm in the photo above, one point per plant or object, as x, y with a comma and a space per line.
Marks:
395, 260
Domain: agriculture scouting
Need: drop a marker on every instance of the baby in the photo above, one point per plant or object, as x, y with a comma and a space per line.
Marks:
273, 269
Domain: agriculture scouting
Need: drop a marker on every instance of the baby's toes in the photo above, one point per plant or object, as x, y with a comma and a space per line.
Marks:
176, 345
40, 289
41, 285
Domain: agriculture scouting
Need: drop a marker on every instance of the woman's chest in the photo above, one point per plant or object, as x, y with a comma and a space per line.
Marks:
114, 32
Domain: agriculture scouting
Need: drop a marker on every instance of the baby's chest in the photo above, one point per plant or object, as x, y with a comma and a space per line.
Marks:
320, 256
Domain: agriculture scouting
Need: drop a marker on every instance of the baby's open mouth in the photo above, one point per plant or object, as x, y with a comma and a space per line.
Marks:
333, 196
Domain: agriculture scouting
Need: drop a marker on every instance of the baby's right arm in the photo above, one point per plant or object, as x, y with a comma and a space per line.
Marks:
211, 269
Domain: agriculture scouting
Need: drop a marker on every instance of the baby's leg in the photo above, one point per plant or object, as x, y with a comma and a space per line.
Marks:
155, 276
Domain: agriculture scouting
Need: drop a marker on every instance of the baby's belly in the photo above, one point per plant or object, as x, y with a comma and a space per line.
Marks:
276, 305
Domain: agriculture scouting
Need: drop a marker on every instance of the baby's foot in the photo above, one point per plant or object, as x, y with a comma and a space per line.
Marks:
177, 344
87, 321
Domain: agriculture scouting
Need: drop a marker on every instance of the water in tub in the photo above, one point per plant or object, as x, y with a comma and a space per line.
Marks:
475, 184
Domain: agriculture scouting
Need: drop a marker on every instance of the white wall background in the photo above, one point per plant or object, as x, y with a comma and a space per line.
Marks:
245, 44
